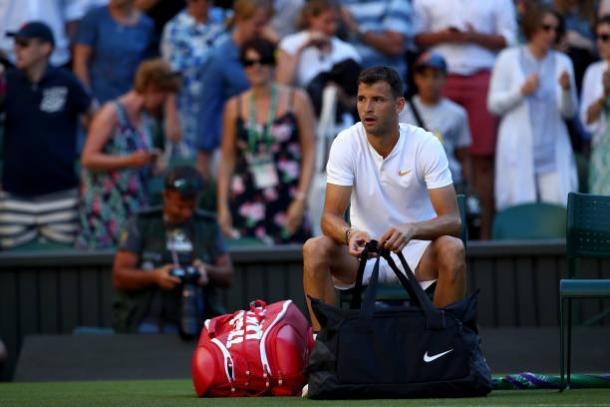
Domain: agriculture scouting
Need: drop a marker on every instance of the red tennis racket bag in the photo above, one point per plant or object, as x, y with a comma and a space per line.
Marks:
261, 351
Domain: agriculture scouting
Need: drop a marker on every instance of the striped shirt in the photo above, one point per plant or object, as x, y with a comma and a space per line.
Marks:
379, 16
50, 217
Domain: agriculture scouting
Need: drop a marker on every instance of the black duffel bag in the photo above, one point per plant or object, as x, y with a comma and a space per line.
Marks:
379, 351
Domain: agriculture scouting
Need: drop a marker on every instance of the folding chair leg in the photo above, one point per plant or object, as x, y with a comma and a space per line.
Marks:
562, 328
569, 341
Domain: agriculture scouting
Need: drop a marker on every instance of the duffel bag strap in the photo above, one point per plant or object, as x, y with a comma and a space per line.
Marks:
434, 316
357, 290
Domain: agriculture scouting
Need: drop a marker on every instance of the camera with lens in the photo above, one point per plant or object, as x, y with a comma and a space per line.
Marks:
191, 302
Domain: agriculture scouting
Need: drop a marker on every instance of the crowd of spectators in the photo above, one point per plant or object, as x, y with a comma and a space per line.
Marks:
511, 88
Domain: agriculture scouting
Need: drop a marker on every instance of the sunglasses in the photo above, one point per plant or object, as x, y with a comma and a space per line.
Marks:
22, 43
549, 27
246, 62
603, 37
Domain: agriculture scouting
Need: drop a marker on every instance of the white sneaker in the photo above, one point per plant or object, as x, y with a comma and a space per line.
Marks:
305, 391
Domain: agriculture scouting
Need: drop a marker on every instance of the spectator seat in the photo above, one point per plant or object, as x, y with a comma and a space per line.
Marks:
588, 236
530, 221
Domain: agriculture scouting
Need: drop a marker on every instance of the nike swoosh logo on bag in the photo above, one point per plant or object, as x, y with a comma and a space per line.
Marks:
430, 358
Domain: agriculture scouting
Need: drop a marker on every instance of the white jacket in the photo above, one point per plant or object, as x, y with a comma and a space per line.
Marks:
592, 90
515, 179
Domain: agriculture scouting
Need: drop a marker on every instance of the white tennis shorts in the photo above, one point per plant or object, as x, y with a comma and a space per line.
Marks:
413, 253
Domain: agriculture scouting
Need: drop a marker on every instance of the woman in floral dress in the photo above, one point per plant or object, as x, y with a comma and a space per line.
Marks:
118, 156
267, 155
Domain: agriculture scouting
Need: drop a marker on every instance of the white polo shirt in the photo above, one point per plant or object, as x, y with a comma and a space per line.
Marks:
391, 191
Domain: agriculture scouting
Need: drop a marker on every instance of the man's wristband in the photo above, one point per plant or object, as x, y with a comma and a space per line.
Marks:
348, 233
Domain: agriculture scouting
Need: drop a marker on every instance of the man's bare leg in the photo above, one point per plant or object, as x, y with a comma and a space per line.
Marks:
322, 259
444, 259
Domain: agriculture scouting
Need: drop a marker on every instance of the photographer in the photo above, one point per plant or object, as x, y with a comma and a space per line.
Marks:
166, 255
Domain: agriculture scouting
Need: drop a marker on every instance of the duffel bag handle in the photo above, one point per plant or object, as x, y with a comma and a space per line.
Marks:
369, 248
434, 316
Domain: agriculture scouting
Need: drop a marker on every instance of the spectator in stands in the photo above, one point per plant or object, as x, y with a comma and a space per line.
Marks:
447, 120
579, 40
158, 240
379, 29
595, 111
43, 105
224, 76
110, 44
315, 57
187, 41
118, 156
267, 155
468, 35
532, 89
161, 12
399, 184
83, 8
284, 21
59, 15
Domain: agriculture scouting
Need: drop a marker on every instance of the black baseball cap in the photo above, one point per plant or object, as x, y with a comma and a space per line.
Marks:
34, 29
184, 179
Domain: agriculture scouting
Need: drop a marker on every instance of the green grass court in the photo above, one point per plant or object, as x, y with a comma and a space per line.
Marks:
180, 393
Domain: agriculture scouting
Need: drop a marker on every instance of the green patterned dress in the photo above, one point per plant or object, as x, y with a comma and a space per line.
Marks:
109, 198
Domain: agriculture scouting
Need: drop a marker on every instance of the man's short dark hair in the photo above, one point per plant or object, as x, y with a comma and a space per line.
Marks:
382, 74
185, 180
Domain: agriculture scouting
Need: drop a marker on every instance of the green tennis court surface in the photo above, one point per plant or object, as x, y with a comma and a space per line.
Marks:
180, 393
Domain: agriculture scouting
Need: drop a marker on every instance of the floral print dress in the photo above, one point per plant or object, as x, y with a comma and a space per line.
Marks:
109, 198
262, 212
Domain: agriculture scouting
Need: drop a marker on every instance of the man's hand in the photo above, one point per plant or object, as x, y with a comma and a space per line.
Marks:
204, 278
396, 238
165, 280
357, 240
